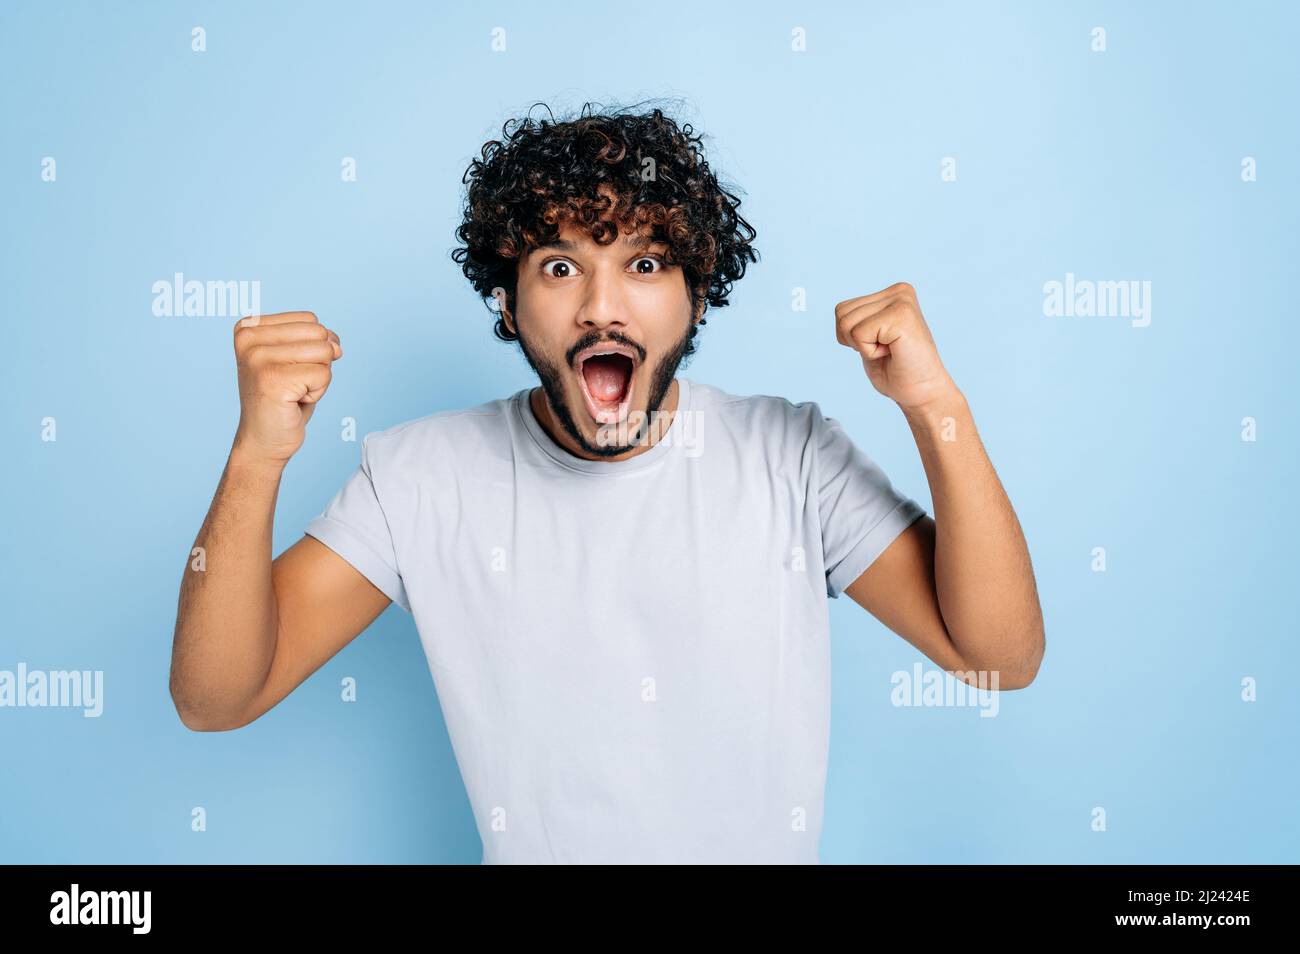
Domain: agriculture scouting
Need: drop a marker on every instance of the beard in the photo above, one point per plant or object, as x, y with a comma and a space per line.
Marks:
551, 377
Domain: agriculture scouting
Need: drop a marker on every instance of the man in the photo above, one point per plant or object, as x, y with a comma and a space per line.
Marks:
619, 577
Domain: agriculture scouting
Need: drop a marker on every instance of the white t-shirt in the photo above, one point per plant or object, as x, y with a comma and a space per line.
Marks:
632, 657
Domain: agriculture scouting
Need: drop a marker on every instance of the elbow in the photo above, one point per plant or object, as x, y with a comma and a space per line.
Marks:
195, 721
1020, 680
1005, 663
1021, 676
195, 724
199, 718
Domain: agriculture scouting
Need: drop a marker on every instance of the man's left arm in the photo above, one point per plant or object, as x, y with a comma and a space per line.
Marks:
958, 586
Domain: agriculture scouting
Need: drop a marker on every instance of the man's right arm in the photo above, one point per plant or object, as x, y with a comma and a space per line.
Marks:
250, 629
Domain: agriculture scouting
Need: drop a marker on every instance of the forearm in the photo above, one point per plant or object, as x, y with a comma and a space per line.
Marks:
226, 621
983, 576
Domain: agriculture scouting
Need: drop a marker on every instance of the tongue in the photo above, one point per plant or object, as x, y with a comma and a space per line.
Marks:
606, 377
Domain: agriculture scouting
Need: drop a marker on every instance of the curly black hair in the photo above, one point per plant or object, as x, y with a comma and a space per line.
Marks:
545, 174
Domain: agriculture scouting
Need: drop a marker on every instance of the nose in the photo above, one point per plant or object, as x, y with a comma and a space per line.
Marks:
604, 305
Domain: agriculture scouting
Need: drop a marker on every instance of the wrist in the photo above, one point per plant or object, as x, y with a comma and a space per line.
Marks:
948, 401
246, 459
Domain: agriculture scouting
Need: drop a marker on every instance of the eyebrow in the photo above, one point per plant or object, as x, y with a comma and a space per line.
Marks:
629, 241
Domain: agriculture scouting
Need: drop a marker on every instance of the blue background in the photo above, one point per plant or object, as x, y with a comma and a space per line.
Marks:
225, 165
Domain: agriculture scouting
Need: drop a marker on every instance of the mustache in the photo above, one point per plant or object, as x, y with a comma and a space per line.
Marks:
594, 338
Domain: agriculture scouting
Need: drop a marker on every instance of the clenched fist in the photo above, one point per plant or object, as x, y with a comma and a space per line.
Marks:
898, 351
284, 369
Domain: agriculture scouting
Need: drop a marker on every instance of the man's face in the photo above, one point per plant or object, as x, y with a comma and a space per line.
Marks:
576, 298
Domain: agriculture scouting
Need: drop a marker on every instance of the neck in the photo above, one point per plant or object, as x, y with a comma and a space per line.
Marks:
651, 432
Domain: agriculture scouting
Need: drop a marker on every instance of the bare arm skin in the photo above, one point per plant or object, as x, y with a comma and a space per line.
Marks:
249, 629
959, 586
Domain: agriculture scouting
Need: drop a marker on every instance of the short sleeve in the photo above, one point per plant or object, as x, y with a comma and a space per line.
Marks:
860, 511
355, 527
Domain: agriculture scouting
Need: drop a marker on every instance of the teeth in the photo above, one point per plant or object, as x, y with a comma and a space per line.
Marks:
598, 354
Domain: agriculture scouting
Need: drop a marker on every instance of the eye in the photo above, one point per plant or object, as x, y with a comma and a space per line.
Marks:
657, 259
555, 261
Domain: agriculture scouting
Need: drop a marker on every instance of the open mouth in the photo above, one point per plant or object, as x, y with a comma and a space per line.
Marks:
606, 380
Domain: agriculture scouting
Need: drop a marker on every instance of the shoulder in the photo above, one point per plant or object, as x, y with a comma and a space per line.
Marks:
422, 441
767, 416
